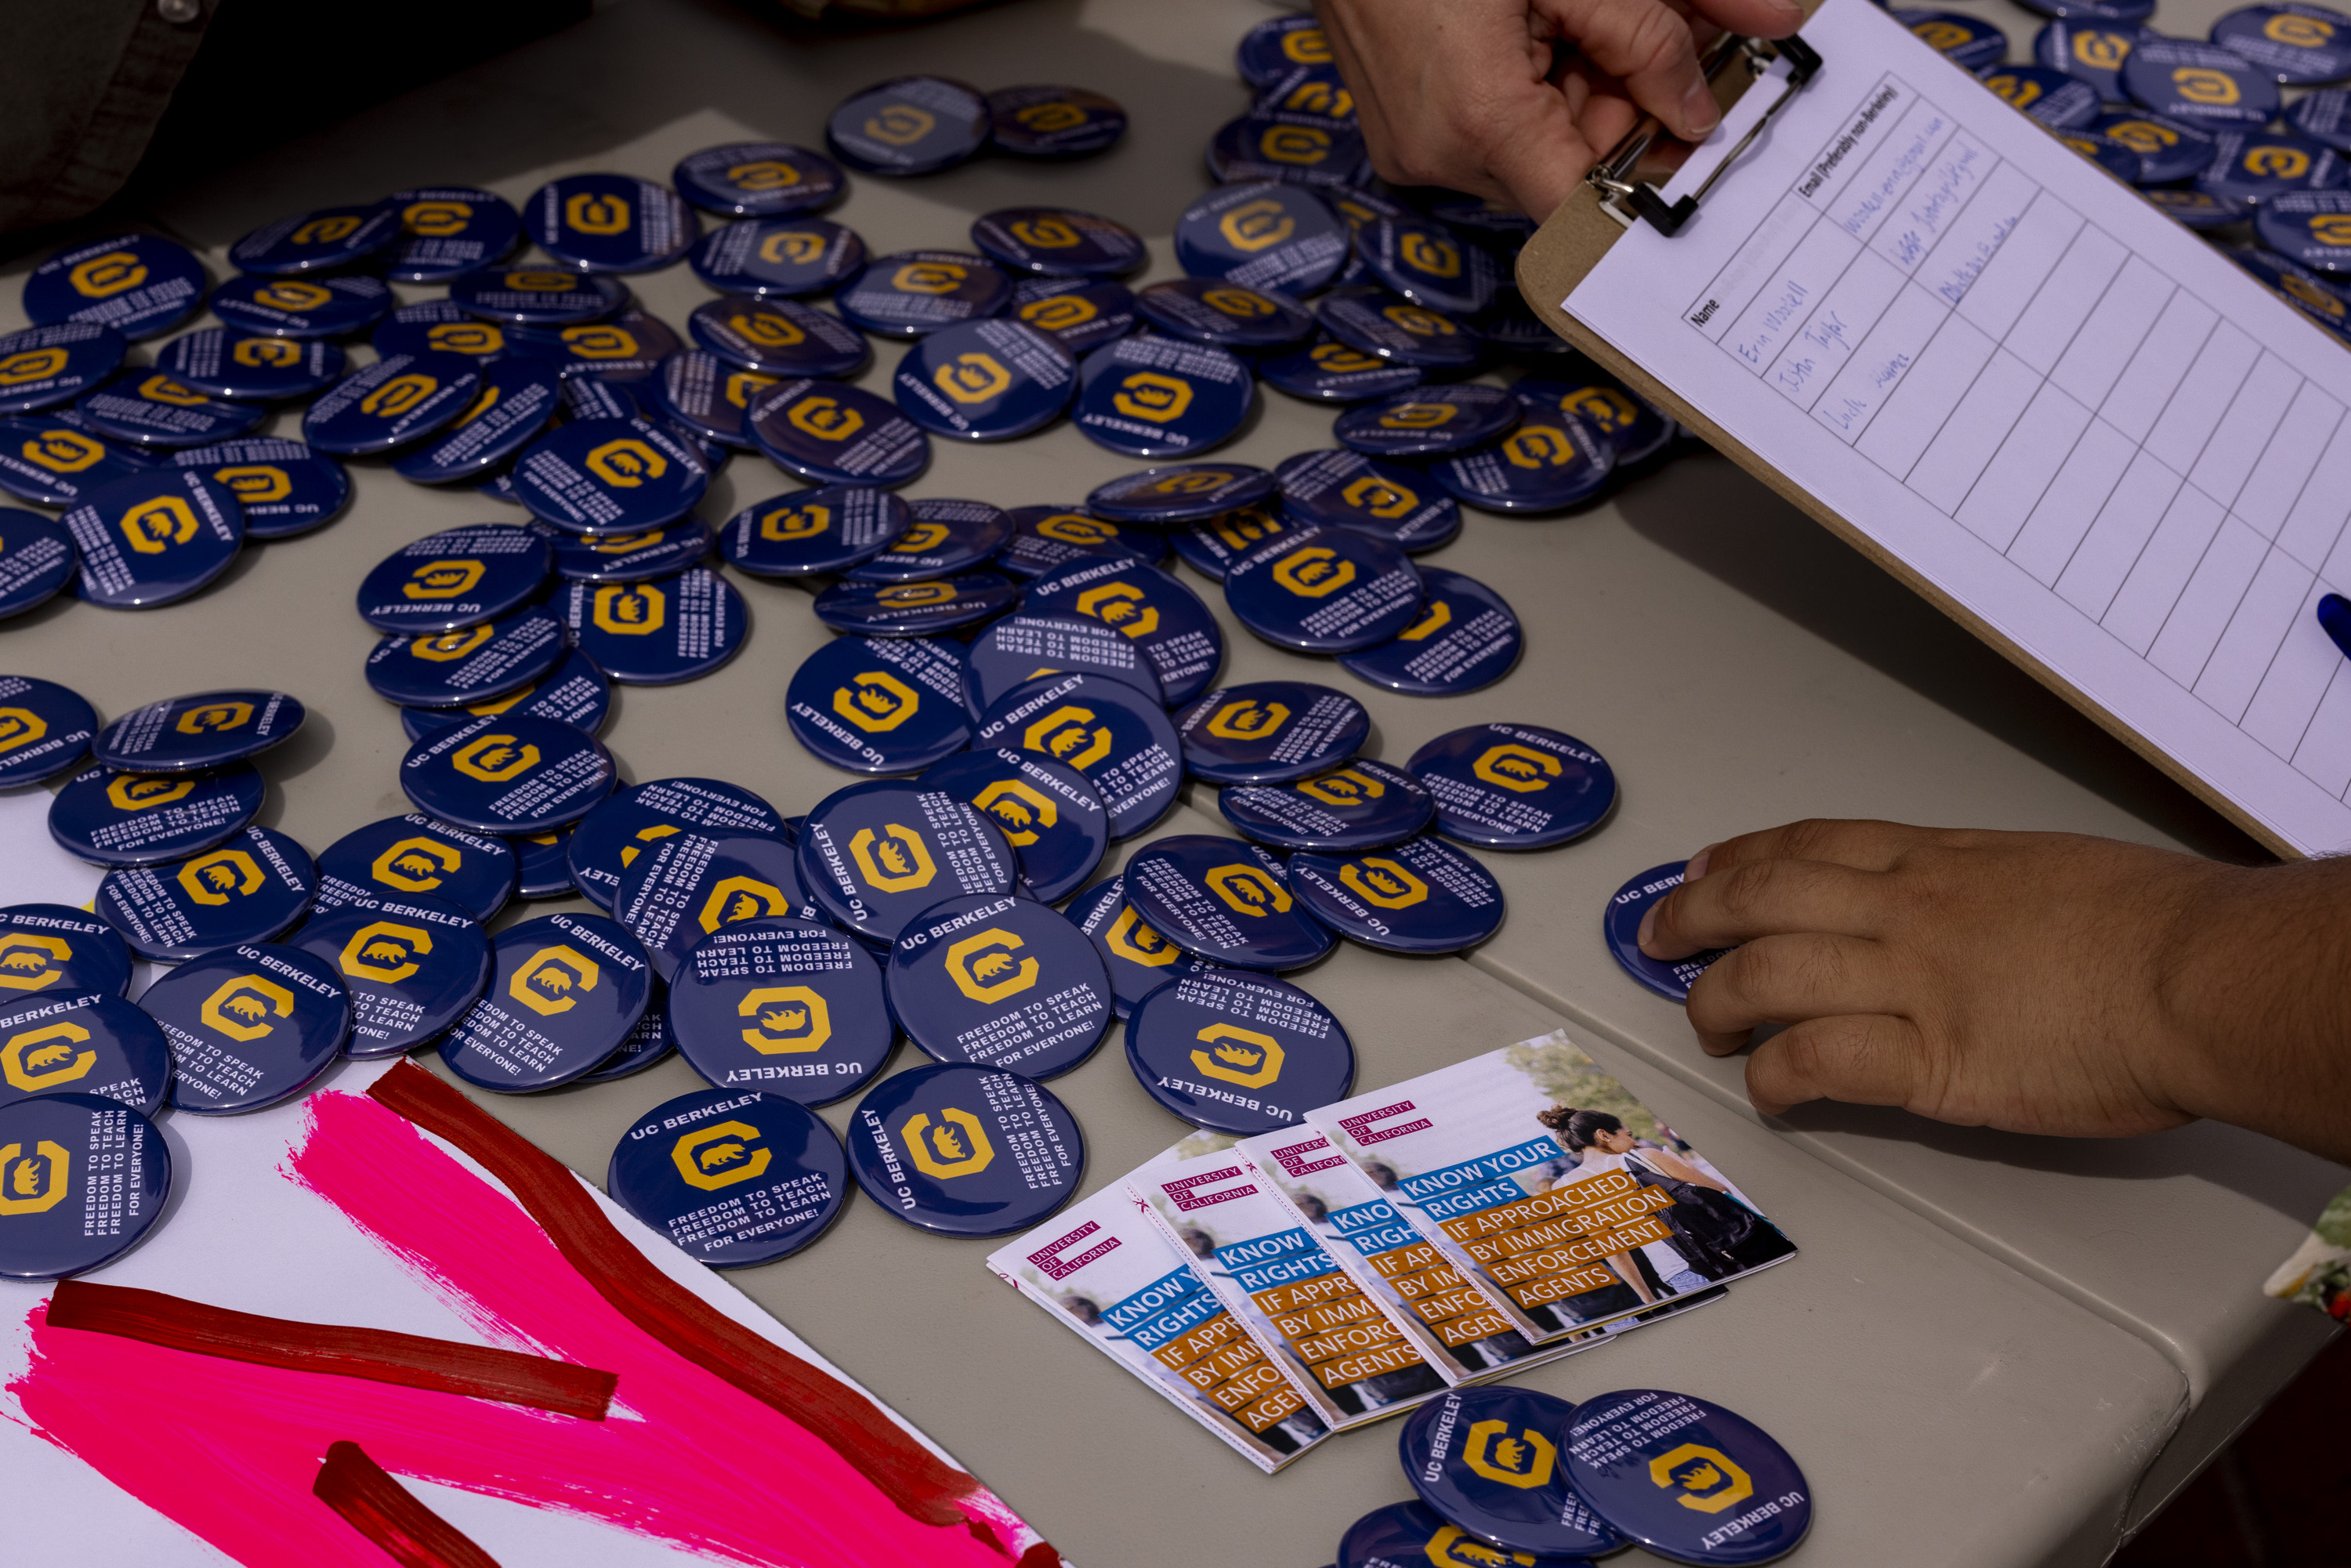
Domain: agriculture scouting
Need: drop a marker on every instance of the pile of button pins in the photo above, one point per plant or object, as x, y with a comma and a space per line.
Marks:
2221, 133
1509, 1474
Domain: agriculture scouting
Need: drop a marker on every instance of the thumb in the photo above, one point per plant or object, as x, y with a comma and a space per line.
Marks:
1648, 46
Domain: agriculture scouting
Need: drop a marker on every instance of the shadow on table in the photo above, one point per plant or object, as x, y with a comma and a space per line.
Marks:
637, 67
1742, 534
2245, 1162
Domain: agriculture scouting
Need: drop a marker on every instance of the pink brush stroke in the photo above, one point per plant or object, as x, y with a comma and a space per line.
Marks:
229, 1450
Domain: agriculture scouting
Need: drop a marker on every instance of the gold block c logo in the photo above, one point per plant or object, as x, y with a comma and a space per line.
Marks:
742, 384
1707, 1478
589, 214
1433, 620
629, 609
541, 280
1058, 115
876, 701
600, 340
465, 338
1524, 1461
1417, 415
719, 1155
1603, 406
788, 1020
915, 595
2101, 51
1347, 787
450, 646
62, 451
1021, 812
1301, 145
1072, 527
2297, 31
954, 1145
31, 365
256, 483
222, 875
1238, 1055
143, 791
762, 175
1137, 942
34, 1183
28, 962
1520, 769
494, 759
2199, 84
795, 522
1249, 890
277, 352
1247, 719
327, 231
983, 968
1379, 880
39, 1061
1257, 226
1059, 312
1307, 47
553, 979
385, 950
767, 329
972, 377
1241, 304
901, 125
1377, 496
1539, 447
242, 1007
103, 277
1448, 1548
156, 525
1420, 323
626, 463
436, 219
2331, 228
1120, 605
289, 293
1147, 394
825, 419
20, 726
2277, 163
416, 865
1045, 234
1314, 572
1342, 360
929, 277
214, 718
1429, 256
795, 247
399, 394
1068, 735
438, 579
895, 860
735, 899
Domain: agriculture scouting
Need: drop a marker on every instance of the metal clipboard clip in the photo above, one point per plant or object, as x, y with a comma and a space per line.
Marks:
1628, 200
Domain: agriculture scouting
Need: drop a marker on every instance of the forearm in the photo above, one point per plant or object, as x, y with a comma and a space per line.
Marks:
2255, 983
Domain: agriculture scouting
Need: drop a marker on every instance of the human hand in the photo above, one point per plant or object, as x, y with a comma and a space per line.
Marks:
1516, 99
2033, 982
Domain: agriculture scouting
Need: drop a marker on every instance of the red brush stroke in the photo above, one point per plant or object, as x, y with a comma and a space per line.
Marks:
388, 1514
445, 1366
229, 1450
911, 1476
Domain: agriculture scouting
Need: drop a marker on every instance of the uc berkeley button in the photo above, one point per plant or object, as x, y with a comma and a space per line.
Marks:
1514, 785
633, 820
249, 1025
45, 728
1269, 731
1138, 959
565, 991
758, 179
248, 890
1106, 729
507, 774
412, 964
1621, 924
1467, 637
1053, 819
1325, 590
193, 734
1226, 900
144, 819
154, 537
999, 981
48, 948
880, 704
965, 1151
1493, 1461
1686, 1477
875, 855
92, 1042
1241, 1054
734, 1179
1362, 806
1419, 896
785, 1007
88, 1178
415, 855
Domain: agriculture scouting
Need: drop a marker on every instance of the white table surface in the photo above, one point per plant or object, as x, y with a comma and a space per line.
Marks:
1992, 1350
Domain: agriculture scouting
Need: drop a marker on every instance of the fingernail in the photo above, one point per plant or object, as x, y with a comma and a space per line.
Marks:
1648, 925
1698, 109
1696, 866
1788, 9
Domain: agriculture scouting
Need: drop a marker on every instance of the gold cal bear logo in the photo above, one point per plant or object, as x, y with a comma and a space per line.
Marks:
1705, 1478
876, 701
788, 1020
1448, 1548
739, 898
1524, 1461
1071, 735
895, 860
984, 969
1020, 811
31, 1184
1237, 1055
954, 1145
1314, 572
1247, 719
553, 979
385, 950
1520, 769
1249, 890
29, 961
1381, 881
719, 1155
494, 759
42, 1061
223, 875
241, 1008
416, 865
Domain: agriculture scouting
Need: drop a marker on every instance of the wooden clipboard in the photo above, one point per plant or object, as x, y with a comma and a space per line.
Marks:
1570, 244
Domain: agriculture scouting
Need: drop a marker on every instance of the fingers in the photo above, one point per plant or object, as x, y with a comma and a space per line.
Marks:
1788, 979
1755, 18
1762, 898
1649, 47
1864, 1060
1863, 845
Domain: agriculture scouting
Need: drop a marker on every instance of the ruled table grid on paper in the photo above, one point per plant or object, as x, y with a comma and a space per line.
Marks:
2066, 403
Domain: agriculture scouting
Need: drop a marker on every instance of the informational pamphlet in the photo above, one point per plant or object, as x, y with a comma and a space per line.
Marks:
1546, 1184
1107, 1270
